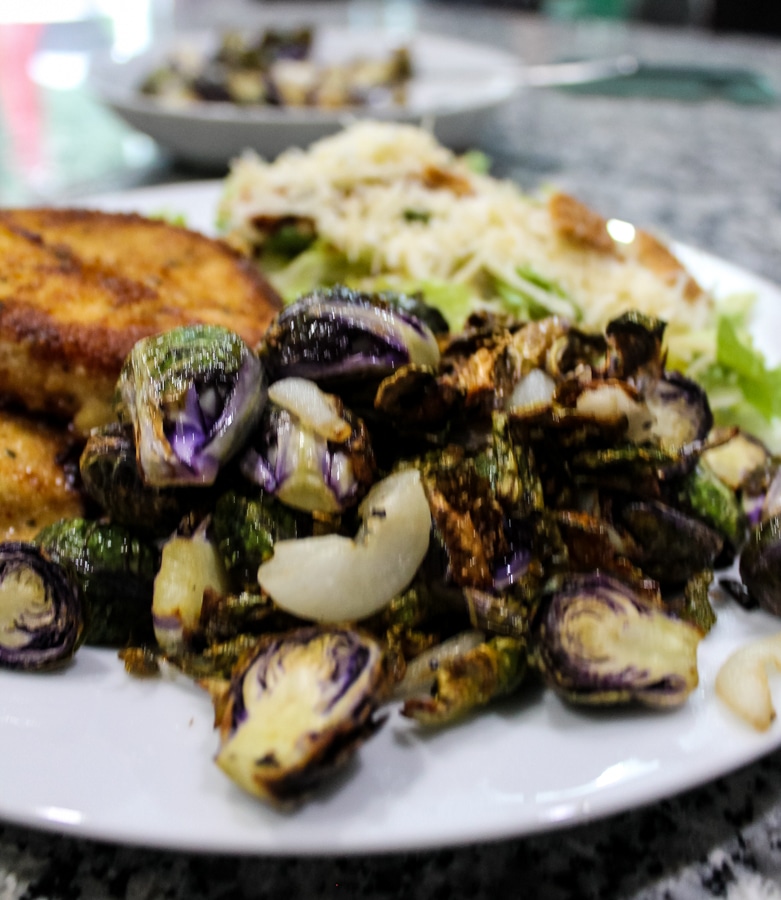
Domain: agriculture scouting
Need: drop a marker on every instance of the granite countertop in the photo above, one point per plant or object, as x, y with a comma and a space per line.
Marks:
704, 172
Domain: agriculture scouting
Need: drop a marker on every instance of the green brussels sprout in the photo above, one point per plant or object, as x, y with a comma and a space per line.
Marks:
245, 529
114, 570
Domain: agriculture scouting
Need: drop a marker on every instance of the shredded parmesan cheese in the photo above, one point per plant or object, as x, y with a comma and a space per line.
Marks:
391, 197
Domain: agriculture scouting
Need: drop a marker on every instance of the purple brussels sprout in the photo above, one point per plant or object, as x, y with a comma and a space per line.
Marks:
760, 565
681, 410
298, 708
193, 394
597, 642
41, 610
338, 334
310, 451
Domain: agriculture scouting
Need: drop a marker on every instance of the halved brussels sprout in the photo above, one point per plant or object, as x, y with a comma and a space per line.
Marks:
337, 333
297, 710
41, 611
309, 451
193, 395
597, 642
682, 414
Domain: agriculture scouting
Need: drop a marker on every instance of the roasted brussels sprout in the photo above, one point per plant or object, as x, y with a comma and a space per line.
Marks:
597, 642
462, 681
114, 570
309, 451
715, 503
193, 395
41, 611
336, 334
760, 565
246, 527
681, 410
110, 474
672, 545
297, 709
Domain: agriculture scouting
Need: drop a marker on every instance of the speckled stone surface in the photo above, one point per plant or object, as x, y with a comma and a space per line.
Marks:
707, 173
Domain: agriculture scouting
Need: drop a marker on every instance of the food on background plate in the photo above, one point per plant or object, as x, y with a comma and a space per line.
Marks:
78, 288
279, 68
383, 205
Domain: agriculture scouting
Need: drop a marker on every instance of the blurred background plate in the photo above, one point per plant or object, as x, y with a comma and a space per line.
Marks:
455, 85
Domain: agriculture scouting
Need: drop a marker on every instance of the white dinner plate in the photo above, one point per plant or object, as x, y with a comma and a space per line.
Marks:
95, 753
456, 85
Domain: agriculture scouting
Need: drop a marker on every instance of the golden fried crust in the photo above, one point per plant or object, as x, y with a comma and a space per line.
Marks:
654, 255
574, 221
34, 486
79, 287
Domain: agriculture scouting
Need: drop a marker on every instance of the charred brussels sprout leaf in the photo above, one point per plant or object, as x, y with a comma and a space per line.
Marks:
694, 605
41, 612
681, 411
469, 680
115, 572
511, 471
297, 709
468, 519
193, 395
635, 345
597, 642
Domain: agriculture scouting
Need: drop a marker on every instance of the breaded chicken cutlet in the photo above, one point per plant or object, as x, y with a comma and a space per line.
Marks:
36, 486
79, 287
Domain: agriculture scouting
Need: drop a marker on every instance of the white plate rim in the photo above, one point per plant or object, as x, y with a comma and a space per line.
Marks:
133, 758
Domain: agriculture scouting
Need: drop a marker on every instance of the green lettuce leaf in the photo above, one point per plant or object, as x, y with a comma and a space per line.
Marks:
736, 354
